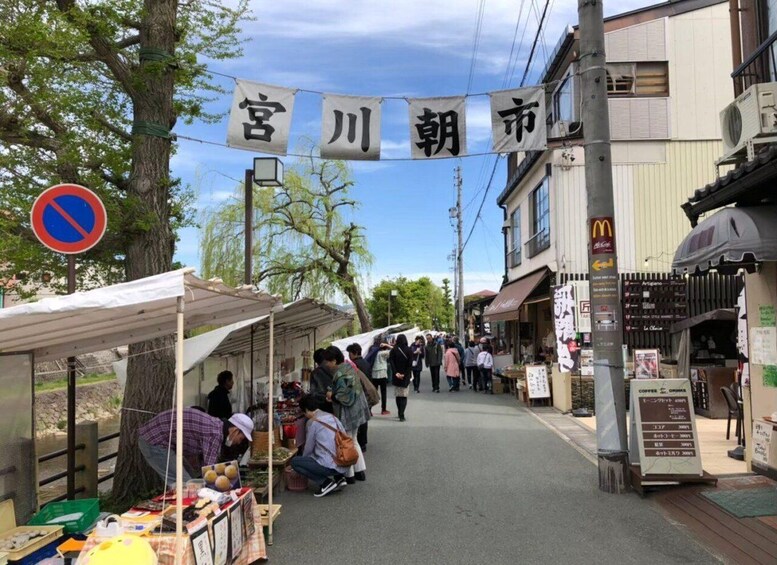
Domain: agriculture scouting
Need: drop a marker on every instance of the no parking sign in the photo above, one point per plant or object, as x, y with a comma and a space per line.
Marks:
68, 218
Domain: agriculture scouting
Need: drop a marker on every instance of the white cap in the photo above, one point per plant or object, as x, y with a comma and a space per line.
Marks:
244, 424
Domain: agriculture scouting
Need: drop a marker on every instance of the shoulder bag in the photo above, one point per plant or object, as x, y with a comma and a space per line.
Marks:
346, 453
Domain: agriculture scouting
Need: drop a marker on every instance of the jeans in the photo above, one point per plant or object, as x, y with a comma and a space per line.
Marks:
380, 384
486, 374
453, 383
473, 376
435, 377
161, 460
416, 379
312, 469
361, 435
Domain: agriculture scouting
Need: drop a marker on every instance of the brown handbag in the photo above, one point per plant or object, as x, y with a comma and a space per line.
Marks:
346, 453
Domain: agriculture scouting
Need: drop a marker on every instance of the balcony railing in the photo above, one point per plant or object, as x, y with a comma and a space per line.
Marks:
759, 67
538, 242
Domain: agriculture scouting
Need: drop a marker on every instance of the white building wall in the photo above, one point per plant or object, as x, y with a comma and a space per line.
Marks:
700, 85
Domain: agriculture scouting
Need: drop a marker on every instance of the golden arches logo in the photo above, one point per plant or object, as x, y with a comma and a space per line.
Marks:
602, 227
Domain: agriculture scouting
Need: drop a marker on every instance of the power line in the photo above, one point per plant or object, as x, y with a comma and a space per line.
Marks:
534, 44
510, 62
476, 44
482, 203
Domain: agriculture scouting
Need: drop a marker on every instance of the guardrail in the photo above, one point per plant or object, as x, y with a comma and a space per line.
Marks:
87, 461
760, 66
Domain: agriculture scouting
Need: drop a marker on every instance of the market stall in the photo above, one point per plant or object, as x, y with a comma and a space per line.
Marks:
166, 304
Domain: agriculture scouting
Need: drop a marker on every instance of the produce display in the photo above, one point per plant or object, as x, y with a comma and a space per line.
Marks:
14, 542
278, 454
222, 476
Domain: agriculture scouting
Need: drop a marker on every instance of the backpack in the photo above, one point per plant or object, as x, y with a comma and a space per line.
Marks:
346, 453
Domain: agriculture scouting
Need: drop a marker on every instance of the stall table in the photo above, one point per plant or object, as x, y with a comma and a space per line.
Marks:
164, 544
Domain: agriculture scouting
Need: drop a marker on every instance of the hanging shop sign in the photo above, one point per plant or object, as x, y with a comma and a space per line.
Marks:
260, 120
653, 305
663, 438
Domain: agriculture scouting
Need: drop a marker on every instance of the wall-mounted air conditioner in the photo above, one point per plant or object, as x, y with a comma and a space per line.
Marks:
751, 116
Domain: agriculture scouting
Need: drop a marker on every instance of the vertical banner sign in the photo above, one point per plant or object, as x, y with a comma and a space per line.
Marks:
604, 280
742, 343
564, 323
438, 127
350, 128
518, 120
260, 117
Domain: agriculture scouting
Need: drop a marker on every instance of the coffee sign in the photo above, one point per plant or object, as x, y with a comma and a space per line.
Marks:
663, 438
602, 236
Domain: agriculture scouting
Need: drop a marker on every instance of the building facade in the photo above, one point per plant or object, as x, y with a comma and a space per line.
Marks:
667, 76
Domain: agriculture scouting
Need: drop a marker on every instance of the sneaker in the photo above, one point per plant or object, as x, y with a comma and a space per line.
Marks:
386, 412
437, 390
402, 418
341, 482
360, 476
350, 480
326, 487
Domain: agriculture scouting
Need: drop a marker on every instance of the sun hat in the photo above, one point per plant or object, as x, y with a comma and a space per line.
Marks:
243, 423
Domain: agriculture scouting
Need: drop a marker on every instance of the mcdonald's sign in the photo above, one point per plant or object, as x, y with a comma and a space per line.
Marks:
602, 236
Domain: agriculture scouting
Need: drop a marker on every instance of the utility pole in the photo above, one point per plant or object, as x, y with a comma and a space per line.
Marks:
611, 442
459, 260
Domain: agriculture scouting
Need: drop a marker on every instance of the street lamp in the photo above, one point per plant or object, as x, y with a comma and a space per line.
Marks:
267, 171
393, 292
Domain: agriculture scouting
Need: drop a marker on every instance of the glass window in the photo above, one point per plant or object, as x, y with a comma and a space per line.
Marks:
540, 208
564, 100
516, 243
638, 79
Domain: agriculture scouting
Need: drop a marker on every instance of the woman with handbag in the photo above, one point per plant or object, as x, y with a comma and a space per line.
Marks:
401, 359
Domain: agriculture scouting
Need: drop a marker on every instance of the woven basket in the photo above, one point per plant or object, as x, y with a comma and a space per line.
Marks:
294, 481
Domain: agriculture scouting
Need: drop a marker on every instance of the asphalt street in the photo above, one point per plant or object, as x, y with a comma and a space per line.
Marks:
474, 478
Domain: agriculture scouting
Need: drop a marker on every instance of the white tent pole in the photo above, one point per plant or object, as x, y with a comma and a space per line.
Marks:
179, 433
270, 422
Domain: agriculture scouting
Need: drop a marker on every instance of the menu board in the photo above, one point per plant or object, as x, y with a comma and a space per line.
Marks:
653, 306
663, 438
537, 381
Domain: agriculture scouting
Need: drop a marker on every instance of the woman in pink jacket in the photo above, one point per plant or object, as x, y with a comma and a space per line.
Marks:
451, 364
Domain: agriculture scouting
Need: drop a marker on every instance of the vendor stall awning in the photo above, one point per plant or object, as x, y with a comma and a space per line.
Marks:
125, 313
728, 239
505, 306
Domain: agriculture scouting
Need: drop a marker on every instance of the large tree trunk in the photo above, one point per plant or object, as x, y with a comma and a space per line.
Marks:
351, 290
151, 369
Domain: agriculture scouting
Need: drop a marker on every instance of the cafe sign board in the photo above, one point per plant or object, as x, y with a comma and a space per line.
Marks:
663, 438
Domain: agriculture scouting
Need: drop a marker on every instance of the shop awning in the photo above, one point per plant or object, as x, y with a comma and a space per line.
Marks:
506, 304
729, 239
126, 313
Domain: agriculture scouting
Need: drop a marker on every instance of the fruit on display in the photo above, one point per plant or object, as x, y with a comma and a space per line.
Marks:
231, 472
219, 468
223, 484
211, 476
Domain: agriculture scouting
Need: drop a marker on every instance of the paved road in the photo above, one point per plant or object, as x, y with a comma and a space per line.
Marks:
471, 478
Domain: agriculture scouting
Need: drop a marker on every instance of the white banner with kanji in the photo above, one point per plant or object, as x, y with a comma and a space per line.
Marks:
350, 127
260, 117
438, 127
564, 325
518, 120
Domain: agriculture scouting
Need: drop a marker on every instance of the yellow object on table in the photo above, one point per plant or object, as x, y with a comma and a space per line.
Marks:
125, 549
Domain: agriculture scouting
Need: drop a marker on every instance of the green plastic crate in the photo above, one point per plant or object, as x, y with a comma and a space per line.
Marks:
89, 507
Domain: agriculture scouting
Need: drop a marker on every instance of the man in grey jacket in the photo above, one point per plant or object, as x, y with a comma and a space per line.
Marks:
434, 360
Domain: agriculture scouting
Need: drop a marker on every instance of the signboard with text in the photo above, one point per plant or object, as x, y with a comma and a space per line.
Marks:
663, 438
537, 385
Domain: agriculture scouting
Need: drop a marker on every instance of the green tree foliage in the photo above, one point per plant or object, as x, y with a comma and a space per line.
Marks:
419, 302
449, 311
304, 245
89, 93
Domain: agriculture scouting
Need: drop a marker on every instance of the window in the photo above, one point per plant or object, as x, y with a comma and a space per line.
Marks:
540, 219
638, 79
564, 99
515, 226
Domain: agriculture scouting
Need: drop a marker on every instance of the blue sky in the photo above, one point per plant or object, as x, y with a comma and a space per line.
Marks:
388, 48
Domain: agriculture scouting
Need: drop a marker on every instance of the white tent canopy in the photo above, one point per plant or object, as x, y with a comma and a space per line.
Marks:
125, 313
365, 340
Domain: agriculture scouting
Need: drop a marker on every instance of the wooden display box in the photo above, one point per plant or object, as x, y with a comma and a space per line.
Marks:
9, 530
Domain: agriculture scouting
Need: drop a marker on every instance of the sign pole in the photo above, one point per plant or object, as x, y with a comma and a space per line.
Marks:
607, 330
71, 395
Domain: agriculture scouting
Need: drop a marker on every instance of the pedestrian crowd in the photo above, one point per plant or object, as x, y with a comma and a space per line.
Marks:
332, 435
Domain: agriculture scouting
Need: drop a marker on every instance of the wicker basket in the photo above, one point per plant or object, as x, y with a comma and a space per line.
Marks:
294, 481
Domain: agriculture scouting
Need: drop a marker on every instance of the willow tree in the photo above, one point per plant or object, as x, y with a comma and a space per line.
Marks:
90, 92
304, 244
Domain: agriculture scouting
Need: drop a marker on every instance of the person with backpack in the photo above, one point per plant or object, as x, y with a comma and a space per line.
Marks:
363, 369
460, 349
317, 462
433, 354
401, 359
349, 403
471, 365
486, 365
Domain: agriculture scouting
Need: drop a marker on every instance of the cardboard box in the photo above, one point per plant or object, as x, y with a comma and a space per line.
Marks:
497, 386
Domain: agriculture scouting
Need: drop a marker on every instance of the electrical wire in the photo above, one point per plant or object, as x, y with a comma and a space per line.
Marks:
534, 44
476, 44
482, 203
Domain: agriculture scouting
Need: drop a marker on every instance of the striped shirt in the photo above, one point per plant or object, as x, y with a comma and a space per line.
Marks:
203, 435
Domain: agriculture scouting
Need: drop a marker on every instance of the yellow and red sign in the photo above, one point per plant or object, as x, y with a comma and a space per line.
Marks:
602, 236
